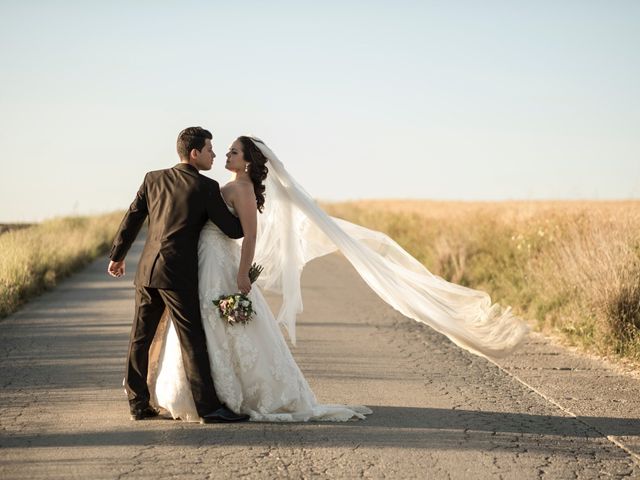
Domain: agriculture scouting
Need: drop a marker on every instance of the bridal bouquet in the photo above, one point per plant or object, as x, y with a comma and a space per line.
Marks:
237, 308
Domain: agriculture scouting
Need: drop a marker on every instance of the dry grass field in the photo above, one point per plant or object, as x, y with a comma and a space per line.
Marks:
32, 259
5, 227
571, 269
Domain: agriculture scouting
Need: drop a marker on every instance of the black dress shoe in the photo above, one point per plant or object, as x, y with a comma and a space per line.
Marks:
144, 412
223, 415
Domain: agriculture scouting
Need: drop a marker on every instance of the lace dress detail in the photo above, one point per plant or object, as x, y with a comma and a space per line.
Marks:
252, 367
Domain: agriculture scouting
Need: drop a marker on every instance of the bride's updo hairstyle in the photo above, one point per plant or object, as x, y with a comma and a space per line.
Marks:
257, 168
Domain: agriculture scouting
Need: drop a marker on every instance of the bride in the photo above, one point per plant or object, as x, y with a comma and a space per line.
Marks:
253, 370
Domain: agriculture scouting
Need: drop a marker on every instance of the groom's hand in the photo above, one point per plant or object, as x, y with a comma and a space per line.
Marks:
116, 269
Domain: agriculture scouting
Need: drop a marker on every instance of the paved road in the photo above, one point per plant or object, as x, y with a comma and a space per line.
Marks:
439, 412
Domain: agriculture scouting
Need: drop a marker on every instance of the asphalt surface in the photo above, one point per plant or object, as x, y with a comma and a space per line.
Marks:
439, 412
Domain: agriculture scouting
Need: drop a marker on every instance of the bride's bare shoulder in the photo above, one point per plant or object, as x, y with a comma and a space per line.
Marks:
237, 189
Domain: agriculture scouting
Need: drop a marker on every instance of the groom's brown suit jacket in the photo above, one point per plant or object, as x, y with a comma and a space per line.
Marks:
178, 202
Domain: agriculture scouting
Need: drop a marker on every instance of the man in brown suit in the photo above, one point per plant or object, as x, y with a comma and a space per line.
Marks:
178, 202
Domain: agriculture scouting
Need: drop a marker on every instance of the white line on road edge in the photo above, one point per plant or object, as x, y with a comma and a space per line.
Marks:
613, 439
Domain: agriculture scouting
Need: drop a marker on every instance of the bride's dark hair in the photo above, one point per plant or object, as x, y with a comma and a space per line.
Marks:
257, 169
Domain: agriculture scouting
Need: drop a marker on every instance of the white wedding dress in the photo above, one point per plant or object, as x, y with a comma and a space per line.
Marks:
252, 367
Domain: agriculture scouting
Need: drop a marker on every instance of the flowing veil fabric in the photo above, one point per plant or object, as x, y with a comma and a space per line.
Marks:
293, 230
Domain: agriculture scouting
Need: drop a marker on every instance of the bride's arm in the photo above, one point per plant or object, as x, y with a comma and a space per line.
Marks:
244, 202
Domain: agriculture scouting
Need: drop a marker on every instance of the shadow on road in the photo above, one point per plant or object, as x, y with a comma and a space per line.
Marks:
399, 427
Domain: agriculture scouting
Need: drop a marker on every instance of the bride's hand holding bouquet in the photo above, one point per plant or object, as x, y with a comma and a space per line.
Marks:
237, 308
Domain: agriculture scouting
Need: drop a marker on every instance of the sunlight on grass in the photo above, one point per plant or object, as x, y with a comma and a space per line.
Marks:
33, 259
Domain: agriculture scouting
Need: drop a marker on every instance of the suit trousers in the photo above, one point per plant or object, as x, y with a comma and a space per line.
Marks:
184, 307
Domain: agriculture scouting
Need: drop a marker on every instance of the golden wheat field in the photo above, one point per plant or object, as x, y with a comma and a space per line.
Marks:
571, 269
34, 258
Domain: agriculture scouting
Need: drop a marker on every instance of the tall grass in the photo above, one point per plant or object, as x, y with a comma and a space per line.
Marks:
570, 268
33, 259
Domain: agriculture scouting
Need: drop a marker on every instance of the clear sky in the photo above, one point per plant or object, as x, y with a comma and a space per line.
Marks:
472, 100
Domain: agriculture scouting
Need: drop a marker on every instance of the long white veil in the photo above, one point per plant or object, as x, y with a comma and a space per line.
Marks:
293, 230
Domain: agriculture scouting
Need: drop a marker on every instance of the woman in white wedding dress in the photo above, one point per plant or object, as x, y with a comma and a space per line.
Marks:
253, 370
252, 367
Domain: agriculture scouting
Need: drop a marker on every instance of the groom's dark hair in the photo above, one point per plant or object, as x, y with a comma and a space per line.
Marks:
190, 138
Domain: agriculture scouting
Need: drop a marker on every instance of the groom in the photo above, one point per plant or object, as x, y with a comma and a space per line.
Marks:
178, 202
